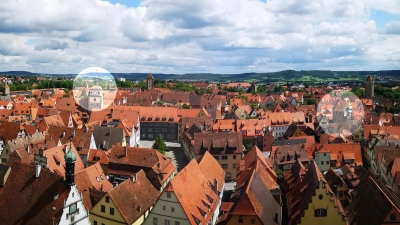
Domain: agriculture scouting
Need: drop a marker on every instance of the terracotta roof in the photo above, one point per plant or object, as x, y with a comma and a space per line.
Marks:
29, 200
80, 137
212, 170
97, 156
220, 143
56, 161
129, 160
372, 192
299, 191
9, 130
134, 198
194, 193
91, 178
252, 196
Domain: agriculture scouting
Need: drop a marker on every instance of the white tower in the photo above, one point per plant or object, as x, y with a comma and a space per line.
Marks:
95, 98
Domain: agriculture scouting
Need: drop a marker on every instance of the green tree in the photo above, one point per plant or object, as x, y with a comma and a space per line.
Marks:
311, 101
185, 106
247, 145
160, 145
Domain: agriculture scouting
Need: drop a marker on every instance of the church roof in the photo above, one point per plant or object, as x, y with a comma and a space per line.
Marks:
95, 87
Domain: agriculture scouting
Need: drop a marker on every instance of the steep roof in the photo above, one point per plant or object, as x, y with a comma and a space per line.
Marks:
80, 137
212, 170
9, 130
107, 136
220, 143
56, 161
134, 198
194, 193
91, 178
372, 192
129, 160
29, 200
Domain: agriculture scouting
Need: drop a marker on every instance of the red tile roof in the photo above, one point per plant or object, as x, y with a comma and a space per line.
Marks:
26, 199
134, 198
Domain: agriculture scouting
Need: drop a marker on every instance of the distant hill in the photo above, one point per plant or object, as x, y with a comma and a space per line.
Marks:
281, 76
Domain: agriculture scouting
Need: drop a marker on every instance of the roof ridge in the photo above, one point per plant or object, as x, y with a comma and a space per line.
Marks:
384, 194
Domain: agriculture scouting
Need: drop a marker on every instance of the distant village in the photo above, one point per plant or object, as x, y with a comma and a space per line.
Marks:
225, 154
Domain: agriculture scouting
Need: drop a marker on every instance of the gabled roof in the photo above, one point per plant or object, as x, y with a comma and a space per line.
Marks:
299, 191
134, 198
194, 192
252, 196
220, 143
9, 130
129, 160
372, 192
107, 136
30, 200
212, 170
56, 161
80, 137
91, 178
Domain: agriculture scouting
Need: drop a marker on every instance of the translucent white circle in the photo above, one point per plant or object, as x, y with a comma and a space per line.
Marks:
340, 113
94, 89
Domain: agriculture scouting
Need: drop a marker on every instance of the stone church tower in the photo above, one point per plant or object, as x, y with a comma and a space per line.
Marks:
369, 87
150, 82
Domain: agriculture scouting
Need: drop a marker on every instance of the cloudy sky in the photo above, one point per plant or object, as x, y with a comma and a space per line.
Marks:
188, 36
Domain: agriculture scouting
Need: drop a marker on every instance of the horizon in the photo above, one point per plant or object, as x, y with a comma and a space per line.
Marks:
210, 36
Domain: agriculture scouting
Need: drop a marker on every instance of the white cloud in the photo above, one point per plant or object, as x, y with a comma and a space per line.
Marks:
178, 36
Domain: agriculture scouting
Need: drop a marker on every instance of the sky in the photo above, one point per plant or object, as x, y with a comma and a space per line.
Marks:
206, 36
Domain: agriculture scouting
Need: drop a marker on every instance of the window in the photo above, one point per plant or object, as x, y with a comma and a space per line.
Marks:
163, 207
103, 208
168, 195
240, 219
216, 157
224, 157
234, 165
340, 194
234, 156
320, 212
111, 211
3, 160
95, 222
327, 162
177, 223
166, 222
320, 197
324, 154
253, 220
172, 209
225, 166
322, 162
94, 99
392, 216
155, 220
107, 199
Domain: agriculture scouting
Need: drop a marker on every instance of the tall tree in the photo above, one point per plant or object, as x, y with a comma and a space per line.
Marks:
160, 145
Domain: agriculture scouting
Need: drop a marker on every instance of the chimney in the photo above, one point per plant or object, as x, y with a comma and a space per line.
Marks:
134, 177
73, 133
38, 168
27, 149
63, 134
45, 147
115, 183
65, 149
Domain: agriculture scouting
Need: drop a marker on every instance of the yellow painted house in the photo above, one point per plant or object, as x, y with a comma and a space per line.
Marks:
310, 199
128, 203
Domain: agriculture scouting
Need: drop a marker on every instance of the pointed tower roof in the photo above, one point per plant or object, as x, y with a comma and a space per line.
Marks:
70, 157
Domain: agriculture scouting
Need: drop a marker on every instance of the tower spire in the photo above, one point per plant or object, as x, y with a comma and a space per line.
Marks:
70, 159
